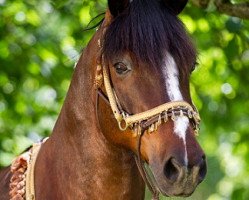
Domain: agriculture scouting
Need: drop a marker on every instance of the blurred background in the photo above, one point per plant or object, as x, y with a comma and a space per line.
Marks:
40, 41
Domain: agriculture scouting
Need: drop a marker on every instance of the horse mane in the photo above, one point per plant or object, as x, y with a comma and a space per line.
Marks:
149, 30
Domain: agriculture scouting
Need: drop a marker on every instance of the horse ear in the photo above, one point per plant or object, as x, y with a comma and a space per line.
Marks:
176, 5
117, 6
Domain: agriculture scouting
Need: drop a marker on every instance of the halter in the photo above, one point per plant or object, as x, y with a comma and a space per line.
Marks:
147, 121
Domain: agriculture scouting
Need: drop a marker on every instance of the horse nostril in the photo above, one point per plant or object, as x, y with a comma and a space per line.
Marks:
171, 170
203, 169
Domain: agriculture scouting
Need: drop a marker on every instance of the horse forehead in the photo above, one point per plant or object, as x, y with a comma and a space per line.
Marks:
170, 73
169, 68
168, 61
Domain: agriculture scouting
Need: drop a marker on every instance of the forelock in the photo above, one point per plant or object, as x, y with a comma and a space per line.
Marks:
148, 30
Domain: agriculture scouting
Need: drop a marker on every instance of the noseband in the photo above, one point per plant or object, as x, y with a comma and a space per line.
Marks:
147, 121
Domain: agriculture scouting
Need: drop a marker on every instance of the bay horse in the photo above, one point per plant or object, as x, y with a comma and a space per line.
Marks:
128, 104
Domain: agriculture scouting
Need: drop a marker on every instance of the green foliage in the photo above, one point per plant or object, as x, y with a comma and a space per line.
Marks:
41, 40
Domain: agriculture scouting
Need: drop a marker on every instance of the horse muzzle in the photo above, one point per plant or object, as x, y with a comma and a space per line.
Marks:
176, 179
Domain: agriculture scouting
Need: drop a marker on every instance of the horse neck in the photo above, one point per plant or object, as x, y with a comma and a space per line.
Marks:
79, 156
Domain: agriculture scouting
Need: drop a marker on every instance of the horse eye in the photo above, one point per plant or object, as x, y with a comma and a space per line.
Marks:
121, 68
194, 66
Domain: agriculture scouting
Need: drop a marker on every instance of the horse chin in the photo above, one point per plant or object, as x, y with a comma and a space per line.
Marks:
179, 188
176, 190
172, 194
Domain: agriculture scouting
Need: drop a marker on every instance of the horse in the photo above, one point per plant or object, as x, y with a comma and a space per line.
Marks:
128, 105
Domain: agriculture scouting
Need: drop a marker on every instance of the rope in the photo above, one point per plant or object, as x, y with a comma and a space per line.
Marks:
156, 111
111, 96
148, 181
30, 182
126, 121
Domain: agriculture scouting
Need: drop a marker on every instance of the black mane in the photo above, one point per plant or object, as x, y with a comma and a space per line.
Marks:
148, 29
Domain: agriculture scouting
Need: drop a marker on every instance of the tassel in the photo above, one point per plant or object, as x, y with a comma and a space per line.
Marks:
135, 130
173, 117
197, 129
99, 77
156, 126
181, 113
151, 128
166, 116
159, 122
190, 114
139, 130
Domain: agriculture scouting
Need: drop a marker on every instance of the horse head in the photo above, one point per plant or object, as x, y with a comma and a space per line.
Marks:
146, 59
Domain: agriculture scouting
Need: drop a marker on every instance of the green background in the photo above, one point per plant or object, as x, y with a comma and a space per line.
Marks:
40, 41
